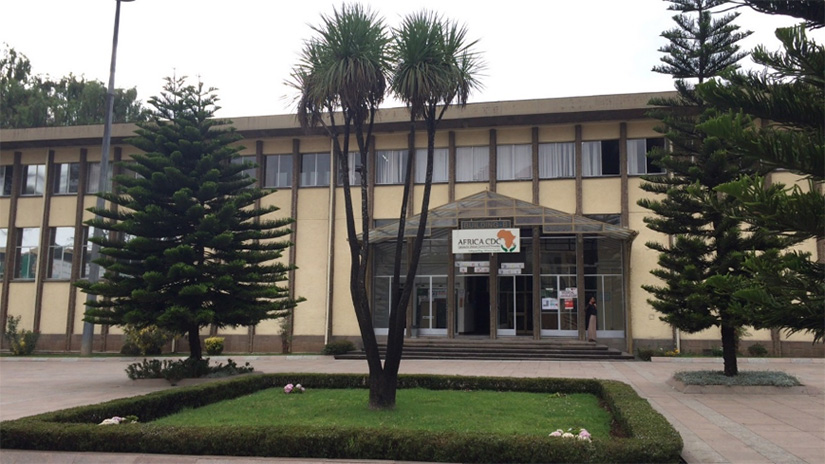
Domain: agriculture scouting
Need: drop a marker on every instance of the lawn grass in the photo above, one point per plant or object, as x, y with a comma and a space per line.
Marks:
504, 413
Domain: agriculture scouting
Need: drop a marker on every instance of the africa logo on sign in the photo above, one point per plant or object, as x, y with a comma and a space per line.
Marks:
509, 240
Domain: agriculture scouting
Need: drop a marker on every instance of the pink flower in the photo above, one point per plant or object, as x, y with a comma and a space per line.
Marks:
557, 433
288, 388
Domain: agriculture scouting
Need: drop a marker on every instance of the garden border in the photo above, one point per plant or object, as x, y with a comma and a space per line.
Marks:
648, 435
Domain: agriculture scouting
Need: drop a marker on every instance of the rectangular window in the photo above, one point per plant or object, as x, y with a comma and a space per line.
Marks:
278, 171
34, 178
88, 232
6, 177
557, 160
514, 162
441, 165
354, 170
93, 178
28, 243
390, 166
472, 164
66, 178
314, 169
4, 239
247, 160
637, 159
600, 158
61, 251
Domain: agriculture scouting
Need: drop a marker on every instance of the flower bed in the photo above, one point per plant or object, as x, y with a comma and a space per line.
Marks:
645, 436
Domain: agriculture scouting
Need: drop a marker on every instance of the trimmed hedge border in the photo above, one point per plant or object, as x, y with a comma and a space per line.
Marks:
649, 436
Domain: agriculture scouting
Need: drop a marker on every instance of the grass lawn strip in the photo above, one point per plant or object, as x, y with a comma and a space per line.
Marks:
502, 413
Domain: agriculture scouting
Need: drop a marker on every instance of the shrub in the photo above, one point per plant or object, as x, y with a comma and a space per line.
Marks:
757, 350
213, 345
717, 351
645, 353
148, 340
175, 370
21, 342
644, 434
338, 347
744, 378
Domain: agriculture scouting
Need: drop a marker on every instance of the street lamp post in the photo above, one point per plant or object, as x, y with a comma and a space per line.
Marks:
94, 269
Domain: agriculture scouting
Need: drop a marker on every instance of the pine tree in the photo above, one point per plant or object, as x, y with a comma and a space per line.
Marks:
186, 246
789, 287
704, 240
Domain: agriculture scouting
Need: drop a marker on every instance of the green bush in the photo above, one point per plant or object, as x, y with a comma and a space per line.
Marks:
645, 353
643, 434
757, 350
717, 351
744, 378
21, 342
213, 345
338, 347
175, 370
147, 341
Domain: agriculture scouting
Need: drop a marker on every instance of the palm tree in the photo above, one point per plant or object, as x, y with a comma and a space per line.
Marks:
434, 67
342, 73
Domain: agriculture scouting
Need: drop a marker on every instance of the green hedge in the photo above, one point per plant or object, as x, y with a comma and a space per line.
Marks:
646, 435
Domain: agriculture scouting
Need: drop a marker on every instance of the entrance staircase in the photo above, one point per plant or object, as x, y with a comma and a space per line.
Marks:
515, 349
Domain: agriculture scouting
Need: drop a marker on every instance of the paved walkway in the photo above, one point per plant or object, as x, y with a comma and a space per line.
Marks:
716, 428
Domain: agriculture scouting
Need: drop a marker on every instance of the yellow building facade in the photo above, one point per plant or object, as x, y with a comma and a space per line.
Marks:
553, 183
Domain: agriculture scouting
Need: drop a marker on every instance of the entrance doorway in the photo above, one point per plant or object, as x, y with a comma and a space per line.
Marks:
515, 305
473, 305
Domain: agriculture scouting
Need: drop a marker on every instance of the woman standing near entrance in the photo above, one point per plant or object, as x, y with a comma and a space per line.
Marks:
590, 314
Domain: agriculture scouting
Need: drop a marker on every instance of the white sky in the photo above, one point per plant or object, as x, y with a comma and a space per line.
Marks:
247, 48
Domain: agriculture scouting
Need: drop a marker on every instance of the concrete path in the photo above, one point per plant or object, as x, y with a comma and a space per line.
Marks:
716, 428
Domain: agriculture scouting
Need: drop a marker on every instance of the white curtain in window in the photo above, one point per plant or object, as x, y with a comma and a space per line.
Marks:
441, 165
591, 159
472, 164
390, 166
557, 160
354, 170
314, 169
514, 162
278, 171
637, 156
93, 177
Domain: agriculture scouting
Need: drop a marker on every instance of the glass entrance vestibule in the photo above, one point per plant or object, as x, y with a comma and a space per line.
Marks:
502, 295
537, 289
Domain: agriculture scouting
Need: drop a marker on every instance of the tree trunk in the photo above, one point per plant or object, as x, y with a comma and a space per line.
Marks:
383, 387
195, 343
729, 343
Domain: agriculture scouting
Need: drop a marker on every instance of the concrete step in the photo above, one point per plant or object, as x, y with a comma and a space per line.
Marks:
481, 349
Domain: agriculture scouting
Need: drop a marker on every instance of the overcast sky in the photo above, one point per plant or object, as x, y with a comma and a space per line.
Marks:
246, 48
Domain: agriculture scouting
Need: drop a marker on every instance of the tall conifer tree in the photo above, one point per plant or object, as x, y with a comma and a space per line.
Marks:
789, 286
704, 240
186, 246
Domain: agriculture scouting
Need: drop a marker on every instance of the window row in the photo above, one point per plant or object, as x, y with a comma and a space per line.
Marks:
66, 179
61, 252
513, 162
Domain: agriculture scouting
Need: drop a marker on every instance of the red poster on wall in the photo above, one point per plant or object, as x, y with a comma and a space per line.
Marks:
568, 304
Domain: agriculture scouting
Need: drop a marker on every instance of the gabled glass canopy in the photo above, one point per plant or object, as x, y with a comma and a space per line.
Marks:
490, 205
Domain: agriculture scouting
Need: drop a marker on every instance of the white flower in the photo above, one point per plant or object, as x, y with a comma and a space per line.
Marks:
557, 433
567, 435
112, 421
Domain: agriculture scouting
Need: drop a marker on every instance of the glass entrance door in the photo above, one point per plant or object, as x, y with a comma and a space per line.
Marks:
515, 305
559, 303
